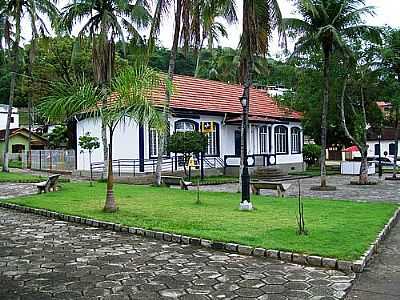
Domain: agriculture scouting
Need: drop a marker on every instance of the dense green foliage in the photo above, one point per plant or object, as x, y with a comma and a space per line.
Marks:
311, 153
187, 143
342, 229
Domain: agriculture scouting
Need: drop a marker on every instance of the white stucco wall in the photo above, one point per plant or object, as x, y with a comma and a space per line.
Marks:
126, 140
3, 117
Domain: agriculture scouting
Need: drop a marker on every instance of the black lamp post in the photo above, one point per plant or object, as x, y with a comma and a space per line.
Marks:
380, 154
245, 203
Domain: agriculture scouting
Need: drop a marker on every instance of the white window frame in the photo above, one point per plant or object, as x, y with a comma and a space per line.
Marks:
212, 142
263, 138
295, 138
281, 140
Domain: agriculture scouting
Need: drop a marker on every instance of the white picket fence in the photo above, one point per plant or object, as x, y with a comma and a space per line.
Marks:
48, 160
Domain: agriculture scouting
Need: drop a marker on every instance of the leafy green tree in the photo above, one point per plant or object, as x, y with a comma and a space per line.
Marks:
89, 143
391, 63
311, 153
187, 144
58, 138
129, 101
327, 26
12, 12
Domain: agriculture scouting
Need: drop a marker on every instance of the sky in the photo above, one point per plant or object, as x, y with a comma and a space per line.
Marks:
387, 13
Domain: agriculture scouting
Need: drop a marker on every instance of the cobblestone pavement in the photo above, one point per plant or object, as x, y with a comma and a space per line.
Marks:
385, 191
42, 258
380, 280
8, 190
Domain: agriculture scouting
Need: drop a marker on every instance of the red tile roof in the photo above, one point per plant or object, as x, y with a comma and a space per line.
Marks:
213, 96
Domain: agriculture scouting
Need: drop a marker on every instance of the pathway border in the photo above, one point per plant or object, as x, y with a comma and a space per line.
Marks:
356, 266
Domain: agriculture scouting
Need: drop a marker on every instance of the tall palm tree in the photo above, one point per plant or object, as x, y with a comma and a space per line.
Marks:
327, 26
187, 17
206, 27
260, 19
130, 90
13, 11
106, 21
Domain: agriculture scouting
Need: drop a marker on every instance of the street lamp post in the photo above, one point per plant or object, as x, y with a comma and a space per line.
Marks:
245, 204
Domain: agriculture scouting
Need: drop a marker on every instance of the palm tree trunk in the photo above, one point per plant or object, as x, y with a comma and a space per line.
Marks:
196, 73
396, 144
171, 71
13, 84
324, 122
110, 205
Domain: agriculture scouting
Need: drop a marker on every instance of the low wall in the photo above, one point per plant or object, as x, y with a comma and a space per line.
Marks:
286, 168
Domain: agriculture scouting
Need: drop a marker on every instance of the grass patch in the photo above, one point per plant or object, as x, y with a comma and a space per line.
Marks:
213, 180
341, 229
20, 178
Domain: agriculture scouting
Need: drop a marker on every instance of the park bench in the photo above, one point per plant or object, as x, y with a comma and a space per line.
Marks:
281, 188
49, 185
175, 180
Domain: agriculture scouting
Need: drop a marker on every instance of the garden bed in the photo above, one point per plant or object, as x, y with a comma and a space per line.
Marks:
338, 229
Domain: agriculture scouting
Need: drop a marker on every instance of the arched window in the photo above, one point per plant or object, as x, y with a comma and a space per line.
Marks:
263, 140
185, 125
281, 140
296, 140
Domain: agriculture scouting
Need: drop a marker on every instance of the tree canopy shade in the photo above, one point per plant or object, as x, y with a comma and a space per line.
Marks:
328, 25
127, 96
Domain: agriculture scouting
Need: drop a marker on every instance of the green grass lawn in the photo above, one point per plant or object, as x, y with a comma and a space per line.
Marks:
340, 229
20, 177
315, 171
212, 180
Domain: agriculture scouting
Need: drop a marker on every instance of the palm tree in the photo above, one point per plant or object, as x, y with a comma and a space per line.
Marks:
327, 25
206, 27
12, 12
106, 21
260, 18
187, 17
130, 90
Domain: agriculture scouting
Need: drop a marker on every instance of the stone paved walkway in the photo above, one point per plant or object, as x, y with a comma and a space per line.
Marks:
388, 191
42, 258
8, 190
381, 279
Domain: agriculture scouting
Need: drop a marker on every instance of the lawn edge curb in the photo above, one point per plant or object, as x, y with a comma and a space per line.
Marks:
356, 266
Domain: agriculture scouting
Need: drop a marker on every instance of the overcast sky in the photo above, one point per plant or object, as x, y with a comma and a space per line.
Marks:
387, 13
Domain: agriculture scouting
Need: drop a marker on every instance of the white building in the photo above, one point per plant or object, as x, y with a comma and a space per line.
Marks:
3, 117
387, 143
275, 133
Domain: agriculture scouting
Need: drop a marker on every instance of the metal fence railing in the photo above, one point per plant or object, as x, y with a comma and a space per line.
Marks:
48, 160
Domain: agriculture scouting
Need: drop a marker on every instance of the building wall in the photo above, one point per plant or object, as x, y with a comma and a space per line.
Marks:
3, 117
385, 145
14, 140
127, 138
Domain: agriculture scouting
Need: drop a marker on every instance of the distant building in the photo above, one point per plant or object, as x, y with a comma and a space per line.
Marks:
385, 107
3, 117
19, 142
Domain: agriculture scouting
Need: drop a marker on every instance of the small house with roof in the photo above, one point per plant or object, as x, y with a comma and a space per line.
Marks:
275, 132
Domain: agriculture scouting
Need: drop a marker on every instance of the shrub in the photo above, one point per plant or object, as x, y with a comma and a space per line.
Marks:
311, 153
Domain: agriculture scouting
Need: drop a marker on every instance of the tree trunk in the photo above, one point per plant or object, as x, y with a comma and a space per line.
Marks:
196, 73
396, 144
13, 84
171, 71
324, 121
110, 205
364, 167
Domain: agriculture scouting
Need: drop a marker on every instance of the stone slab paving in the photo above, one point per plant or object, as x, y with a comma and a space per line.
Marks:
43, 258
388, 191
9, 190
381, 279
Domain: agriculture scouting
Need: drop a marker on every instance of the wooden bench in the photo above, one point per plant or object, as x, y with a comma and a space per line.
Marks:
281, 188
49, 185
174, 180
